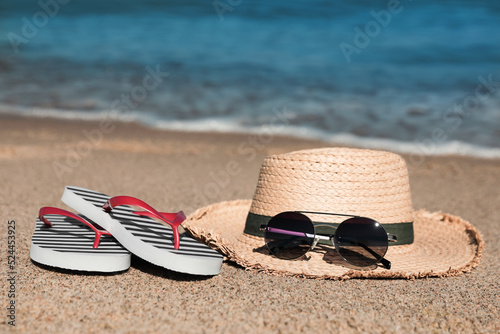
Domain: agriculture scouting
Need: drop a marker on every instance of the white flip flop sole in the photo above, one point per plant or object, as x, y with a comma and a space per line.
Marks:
145, 237
68, 245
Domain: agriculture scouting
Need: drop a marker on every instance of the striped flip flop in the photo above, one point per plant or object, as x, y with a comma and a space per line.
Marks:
136, 230
65, 240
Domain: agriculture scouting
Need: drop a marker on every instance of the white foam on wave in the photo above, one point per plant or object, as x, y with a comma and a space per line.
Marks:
67, 114
416, 148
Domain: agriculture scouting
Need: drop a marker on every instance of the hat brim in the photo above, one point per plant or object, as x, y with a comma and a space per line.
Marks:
444, 245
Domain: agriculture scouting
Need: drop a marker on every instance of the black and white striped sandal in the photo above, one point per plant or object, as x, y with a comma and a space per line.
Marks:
65, 240
158, 242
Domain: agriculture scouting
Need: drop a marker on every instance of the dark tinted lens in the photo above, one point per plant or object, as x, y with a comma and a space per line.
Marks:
361, 241
289, 235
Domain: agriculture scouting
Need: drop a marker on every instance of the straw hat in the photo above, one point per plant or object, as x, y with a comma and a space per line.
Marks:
340, 180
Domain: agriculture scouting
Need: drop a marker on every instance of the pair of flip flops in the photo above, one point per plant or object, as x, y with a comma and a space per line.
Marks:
108, 230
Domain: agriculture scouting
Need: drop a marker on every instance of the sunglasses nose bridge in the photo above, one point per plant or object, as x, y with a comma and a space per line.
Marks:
317, 238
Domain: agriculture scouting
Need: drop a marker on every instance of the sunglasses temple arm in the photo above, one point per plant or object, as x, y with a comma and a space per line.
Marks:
298, 234
288, 232
386, 263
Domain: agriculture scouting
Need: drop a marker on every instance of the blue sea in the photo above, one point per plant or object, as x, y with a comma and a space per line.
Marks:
411, 76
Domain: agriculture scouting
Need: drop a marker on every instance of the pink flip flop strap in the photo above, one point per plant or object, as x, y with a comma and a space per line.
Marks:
48, 210
172, 219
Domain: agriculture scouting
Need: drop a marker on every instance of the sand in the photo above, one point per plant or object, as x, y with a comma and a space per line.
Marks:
38, 157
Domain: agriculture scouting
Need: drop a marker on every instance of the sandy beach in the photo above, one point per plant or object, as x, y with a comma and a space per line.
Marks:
171, 171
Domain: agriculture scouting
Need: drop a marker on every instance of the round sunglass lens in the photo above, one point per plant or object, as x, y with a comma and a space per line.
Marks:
289, 235
361, 241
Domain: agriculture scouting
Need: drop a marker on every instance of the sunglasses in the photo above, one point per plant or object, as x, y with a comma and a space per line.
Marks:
360, 241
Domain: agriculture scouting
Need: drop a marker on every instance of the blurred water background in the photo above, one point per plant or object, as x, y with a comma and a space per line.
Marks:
420, 76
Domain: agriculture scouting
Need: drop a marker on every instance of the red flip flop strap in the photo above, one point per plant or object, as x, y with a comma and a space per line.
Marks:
48, 210
179, 218
176, 217
113, 202
150, 212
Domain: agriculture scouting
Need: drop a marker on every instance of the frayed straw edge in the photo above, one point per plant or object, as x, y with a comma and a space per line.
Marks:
216, 242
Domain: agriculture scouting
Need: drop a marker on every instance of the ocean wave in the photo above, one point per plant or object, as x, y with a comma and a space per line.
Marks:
274, 125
